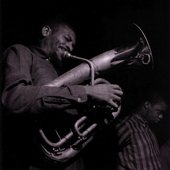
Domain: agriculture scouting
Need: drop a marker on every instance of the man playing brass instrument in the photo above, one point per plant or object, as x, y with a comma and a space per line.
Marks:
26, 99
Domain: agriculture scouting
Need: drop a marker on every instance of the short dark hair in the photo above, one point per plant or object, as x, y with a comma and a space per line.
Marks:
153, 95
54, 23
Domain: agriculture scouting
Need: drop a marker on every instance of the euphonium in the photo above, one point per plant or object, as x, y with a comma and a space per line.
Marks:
81, 133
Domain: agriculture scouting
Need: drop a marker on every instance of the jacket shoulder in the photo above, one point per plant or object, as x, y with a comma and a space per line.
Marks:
17, 47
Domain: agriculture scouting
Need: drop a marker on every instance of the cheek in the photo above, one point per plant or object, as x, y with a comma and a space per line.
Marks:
54, 44
152, 114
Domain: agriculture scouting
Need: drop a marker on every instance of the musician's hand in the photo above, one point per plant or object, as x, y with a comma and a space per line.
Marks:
108, 93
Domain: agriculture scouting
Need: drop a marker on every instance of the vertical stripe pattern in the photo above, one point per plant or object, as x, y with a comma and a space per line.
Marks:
137, 145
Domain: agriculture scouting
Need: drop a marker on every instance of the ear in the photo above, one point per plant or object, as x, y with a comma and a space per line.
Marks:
46, 30
146, 104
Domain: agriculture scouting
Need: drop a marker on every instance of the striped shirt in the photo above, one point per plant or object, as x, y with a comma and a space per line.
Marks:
137, 145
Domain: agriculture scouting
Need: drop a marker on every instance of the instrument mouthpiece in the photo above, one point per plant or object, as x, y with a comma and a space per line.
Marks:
67, 54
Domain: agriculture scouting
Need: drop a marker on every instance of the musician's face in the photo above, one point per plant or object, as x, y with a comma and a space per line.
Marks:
155, 111
58, 41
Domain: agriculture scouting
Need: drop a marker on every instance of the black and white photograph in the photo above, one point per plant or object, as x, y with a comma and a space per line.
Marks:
85, 85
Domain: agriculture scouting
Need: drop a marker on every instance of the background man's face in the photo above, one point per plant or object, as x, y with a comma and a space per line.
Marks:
156, 111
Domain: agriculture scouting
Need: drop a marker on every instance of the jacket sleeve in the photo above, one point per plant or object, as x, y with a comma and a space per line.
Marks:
19, 95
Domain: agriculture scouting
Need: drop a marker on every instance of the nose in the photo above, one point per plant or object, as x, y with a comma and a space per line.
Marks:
70, 46
160, 116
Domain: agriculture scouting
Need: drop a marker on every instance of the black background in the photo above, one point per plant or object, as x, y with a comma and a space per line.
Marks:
100, 26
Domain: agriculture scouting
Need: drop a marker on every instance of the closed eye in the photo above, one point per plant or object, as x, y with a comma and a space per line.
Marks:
68, 38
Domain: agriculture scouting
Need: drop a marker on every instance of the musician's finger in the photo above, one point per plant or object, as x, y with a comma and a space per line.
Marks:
116, 97
113, 104
115, 86
117, 92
